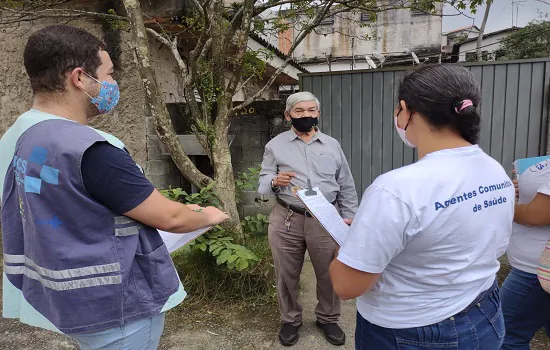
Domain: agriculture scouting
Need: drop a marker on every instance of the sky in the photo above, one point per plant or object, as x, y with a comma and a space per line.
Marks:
500, 15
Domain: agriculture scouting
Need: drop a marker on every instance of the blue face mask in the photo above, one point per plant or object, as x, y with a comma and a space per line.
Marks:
108, 96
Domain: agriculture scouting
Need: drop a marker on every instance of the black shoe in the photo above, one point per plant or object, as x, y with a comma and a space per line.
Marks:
288, 335
333, 333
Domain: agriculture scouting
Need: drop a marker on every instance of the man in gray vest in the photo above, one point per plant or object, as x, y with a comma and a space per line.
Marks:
82, 255
290, 159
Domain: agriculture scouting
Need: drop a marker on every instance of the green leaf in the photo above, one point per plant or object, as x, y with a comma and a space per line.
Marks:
214, 246
217, 251
222, 258
260, 227
252, 226
232, 258
202, 246
242, 264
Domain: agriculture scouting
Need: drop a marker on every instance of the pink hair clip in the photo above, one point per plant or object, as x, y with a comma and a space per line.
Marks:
465, 104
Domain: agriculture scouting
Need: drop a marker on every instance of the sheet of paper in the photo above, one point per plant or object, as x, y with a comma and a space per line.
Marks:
174, 241
531, 165
326, 214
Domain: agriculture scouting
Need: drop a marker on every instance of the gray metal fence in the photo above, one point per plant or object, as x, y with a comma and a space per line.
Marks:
357, 109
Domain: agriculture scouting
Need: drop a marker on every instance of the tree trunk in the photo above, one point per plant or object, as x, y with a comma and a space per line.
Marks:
225, 185
155, 105
482, 30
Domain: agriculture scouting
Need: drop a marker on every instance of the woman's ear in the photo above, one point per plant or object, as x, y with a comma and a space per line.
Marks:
404, 107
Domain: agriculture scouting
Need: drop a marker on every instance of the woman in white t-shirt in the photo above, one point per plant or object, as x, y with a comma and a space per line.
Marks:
525, 305
421, 254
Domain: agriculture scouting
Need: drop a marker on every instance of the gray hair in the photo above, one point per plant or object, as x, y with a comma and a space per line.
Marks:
301, 96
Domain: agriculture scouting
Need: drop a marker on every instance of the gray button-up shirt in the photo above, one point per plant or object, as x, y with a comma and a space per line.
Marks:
321, 160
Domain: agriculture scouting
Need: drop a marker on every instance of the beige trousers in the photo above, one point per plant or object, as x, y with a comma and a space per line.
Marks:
288, 248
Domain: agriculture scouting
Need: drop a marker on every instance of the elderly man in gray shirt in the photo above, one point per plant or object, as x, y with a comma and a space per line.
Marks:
290, 159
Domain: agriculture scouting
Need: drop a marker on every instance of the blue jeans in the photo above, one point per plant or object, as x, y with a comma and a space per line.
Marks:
526, 308
140, 335
479, 326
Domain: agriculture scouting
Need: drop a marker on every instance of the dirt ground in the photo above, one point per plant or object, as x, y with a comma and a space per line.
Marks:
210, 327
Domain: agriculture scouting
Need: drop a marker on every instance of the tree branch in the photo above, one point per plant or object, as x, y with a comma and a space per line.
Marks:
155, 106
27, 16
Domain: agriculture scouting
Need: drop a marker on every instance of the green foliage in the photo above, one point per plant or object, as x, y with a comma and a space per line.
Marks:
532, 41
221, 247
217, 243
256, 224
248, 179
113, 23
254, 64
205, 197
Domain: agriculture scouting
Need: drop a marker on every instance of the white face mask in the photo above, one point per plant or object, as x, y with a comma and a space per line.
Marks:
402, 134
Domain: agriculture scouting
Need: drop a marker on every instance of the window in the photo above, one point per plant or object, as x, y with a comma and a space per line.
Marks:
327, 21
485, 55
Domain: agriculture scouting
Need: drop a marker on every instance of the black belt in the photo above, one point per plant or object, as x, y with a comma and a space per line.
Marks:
295, 209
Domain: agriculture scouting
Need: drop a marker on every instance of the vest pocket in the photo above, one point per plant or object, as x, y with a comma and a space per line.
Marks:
154, 275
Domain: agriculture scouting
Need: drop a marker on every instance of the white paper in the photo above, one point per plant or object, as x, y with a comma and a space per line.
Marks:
326, 214
174, 241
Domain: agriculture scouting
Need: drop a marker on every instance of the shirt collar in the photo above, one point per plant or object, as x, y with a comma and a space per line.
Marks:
319, 136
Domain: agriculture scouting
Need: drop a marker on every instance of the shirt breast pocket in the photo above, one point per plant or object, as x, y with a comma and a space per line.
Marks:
327, 165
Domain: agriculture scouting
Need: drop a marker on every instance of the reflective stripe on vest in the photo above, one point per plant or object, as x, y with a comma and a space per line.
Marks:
39, 273
128, 230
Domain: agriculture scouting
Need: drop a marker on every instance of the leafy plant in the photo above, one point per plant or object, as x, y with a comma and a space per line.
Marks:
216, 242
256, 224
248, 180
222, 248
205, 197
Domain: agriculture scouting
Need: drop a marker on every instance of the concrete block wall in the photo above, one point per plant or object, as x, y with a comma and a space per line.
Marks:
161, 170
252, 130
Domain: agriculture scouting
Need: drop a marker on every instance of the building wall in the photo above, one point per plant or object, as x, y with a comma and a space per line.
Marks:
489, 44
394, 31
359, 63
127, 122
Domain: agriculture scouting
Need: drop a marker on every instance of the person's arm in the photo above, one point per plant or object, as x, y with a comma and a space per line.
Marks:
534, 213
159, 212
537, 211
268, 173
270, 180
347, 196
112, 178
376, 236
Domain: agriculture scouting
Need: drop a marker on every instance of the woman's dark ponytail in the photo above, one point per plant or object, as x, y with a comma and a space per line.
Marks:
467, 122
439, 93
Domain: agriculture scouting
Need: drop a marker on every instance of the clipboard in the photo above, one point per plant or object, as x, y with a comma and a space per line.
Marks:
175, 241
530, 165
324, 212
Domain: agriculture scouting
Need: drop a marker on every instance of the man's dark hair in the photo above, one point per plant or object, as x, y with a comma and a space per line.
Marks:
438, 93
54, 51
